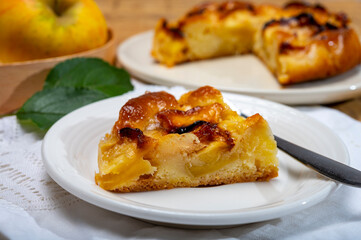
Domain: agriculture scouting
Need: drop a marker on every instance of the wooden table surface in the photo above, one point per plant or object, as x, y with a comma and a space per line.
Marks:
129, 17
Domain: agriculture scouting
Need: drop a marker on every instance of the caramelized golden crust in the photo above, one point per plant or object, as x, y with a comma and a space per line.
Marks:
304, 41
299, 49
172, 118
222, 10
160, 143
318, 11
138, 112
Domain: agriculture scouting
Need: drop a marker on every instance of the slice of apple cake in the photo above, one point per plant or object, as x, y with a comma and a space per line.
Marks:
161, 143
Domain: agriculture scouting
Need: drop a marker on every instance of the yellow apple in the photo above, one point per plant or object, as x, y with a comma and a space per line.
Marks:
35, 29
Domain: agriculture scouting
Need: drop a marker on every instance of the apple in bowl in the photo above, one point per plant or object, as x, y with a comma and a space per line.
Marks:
35, 35
37, 29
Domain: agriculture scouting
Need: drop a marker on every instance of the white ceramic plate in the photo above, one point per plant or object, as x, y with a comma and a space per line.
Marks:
244, 74
70, 157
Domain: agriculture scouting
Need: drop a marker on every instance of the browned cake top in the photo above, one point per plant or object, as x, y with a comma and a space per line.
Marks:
205, 10
198, 112
293, 14
137, 112
318, 11
222, 9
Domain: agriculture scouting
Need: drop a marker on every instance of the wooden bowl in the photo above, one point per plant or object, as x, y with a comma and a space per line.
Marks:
20, 80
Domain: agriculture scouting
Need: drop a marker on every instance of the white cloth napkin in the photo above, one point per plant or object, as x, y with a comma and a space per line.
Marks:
33, 206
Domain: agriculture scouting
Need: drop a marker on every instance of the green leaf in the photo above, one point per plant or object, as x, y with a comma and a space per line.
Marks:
91, 73
46, 107
73, 84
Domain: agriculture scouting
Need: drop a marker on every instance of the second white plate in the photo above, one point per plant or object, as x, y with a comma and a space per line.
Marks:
70, 157
244, 74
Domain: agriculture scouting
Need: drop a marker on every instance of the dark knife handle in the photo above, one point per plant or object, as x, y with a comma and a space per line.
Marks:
324, 165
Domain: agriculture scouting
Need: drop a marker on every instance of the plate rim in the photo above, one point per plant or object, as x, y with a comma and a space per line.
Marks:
336, 92
187, 219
